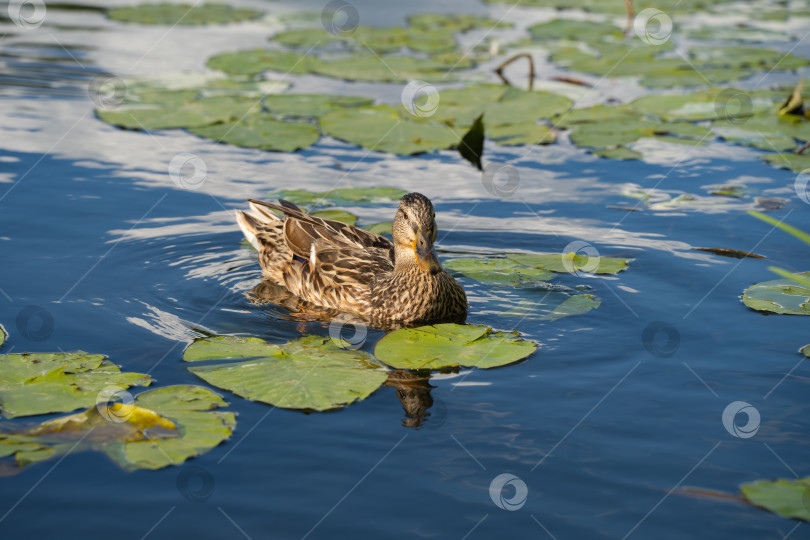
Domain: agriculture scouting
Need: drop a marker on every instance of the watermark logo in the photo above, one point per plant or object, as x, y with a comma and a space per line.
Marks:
580, 258
115, 404
661, 339
800, 185
35, 323
27, 14
188, 171
500, 179
355, 338
195, 484
730, 414
734, 106
340, 18
497, 488
107, 91
652, 26
419, 98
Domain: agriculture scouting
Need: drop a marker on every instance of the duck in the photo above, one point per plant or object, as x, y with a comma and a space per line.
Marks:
347, 269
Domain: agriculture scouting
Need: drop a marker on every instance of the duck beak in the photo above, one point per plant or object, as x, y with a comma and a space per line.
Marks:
423, 249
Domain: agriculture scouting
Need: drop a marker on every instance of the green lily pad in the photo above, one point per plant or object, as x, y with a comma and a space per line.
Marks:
351, 196
620, 152
162, 427
213, 347
765, 131
336, 215
261, 130
783, 296
805, 350
382, 128
255, 61
3, 334
709, 104
57, 382
182, 14
739, 32
192, 114
451, 345
309, 373
521, 134
310, 105
787, 498
786, 160
390, 68
565, 262
497, 271
381, 228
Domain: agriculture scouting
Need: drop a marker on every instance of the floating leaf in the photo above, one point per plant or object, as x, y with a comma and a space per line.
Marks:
779, 296
523, 133
213, 347
451, 345
497, 271
568, 262
382, 128
788, 498
255, 61
57, 382
786, 160
310, 105
805, 351
545, 309
766, 131
308, 373
182, 14
390, 68
336, 215
262, 131
340, 196
380, 228
471, 146
620, 152
163, 427
3, 334
192, 114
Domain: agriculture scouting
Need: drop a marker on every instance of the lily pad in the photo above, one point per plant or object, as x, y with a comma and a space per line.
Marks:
567, 262
354, 196
497, 271
765, 131
381, 228
391, 68
521, 134
261, 130
309, 373
787, 160
57, 382
709, 104
336, 215
310, 105
783, 296
192, 114
161, 427
255, 61
3, 334
787, 498
182, 14
451, 345
382, 128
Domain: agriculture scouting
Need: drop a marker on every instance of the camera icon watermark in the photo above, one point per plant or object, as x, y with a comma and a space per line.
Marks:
115, 404
35, 323
348, 340
188, 171
107, 91
27, 14
734, 106
800, 186
340, 18
503, 481
730, 414
195, 484
572, 258
500, 179
652, 26
419, 98
661, 339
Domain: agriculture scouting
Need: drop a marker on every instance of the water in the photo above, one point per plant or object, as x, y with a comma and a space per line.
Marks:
605, 434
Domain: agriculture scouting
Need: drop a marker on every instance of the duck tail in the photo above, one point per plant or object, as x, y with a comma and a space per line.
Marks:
265, 232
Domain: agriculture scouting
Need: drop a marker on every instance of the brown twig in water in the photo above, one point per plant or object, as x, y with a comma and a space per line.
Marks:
499, 69
803, 148
631, 15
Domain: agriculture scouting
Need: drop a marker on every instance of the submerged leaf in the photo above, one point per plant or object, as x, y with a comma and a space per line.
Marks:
787, 498
309, 373
783, 296
451, 345
57, 382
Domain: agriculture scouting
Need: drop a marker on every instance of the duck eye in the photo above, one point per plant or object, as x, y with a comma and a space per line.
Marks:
405, 214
